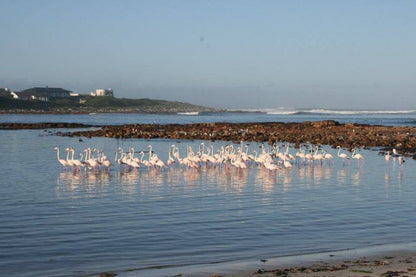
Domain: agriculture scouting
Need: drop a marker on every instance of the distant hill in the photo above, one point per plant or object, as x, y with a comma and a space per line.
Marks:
88, 104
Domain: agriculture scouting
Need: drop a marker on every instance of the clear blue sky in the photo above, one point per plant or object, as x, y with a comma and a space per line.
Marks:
228, 54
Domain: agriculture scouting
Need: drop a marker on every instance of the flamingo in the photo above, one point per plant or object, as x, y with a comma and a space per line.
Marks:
286, 163
91, 161
78, 164
132, 161
119, 160
357, 156
287, 154
157, 162
301, 154
328, 157
185, 161
271, 166
316, 156
62, 161
309, 156
71, 162
144, 162
343, 156
387, 157
171, 160
107, 163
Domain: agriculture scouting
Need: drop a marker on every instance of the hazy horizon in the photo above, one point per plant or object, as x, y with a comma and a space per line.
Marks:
224, 54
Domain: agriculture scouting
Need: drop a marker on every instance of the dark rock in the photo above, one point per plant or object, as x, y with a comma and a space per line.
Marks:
107, 274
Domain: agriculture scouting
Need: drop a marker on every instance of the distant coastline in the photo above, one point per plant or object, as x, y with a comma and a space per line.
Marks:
98, 105
110, 111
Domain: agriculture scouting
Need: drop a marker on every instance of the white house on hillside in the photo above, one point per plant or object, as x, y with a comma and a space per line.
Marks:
103, 92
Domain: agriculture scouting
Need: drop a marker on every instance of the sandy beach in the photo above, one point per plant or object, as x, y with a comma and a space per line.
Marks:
381, 260
398, 265
391, 264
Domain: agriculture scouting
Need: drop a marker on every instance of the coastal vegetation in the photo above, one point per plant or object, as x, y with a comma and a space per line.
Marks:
90, 104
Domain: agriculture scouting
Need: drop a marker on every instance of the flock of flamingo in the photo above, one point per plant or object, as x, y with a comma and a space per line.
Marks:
229, 155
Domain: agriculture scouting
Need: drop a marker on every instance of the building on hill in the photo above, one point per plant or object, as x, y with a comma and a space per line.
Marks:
103, 92
43, 94
5, 92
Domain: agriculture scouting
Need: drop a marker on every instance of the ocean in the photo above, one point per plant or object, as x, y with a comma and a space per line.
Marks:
381, 117
177, 220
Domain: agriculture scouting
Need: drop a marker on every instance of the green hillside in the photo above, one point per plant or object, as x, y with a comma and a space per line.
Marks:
7, 103
98, 104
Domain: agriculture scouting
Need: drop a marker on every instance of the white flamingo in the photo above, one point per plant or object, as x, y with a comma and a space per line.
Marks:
343, 156
309, 156
287, 163
70, 161
328, 157
107, 163
318, 156
387, 157
143, 161
91, 160
158, 162
301, 155
287, 154
171, 160
78, 164
357, 156
62, 161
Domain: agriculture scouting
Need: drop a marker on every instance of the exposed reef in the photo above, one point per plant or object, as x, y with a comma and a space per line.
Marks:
328, 132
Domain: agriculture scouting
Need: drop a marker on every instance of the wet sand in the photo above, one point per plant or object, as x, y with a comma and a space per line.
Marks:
397, 265
383, 260
387, 265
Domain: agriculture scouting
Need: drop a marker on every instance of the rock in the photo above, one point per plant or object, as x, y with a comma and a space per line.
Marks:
107, 274
328, 132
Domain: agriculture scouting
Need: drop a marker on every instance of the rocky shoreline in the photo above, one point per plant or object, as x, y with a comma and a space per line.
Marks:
328, 132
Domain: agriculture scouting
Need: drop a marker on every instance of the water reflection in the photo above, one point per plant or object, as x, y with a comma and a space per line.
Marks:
85, 184
342, 175
400, 175
223, 178
393, 169
265, 178
357, 176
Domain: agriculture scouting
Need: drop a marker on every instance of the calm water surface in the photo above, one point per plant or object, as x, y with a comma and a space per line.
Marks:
60, 223
394, 119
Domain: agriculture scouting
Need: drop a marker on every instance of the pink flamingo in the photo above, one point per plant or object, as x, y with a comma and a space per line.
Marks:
62, 161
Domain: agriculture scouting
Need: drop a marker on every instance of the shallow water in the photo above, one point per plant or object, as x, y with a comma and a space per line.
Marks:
390, 119
60, 223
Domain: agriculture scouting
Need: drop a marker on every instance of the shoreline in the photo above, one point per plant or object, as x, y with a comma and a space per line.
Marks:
382, 260
327, 132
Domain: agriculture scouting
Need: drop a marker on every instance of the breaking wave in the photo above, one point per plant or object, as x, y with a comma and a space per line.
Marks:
287, 111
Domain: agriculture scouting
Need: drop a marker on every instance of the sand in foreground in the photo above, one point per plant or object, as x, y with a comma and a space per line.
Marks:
397, 265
